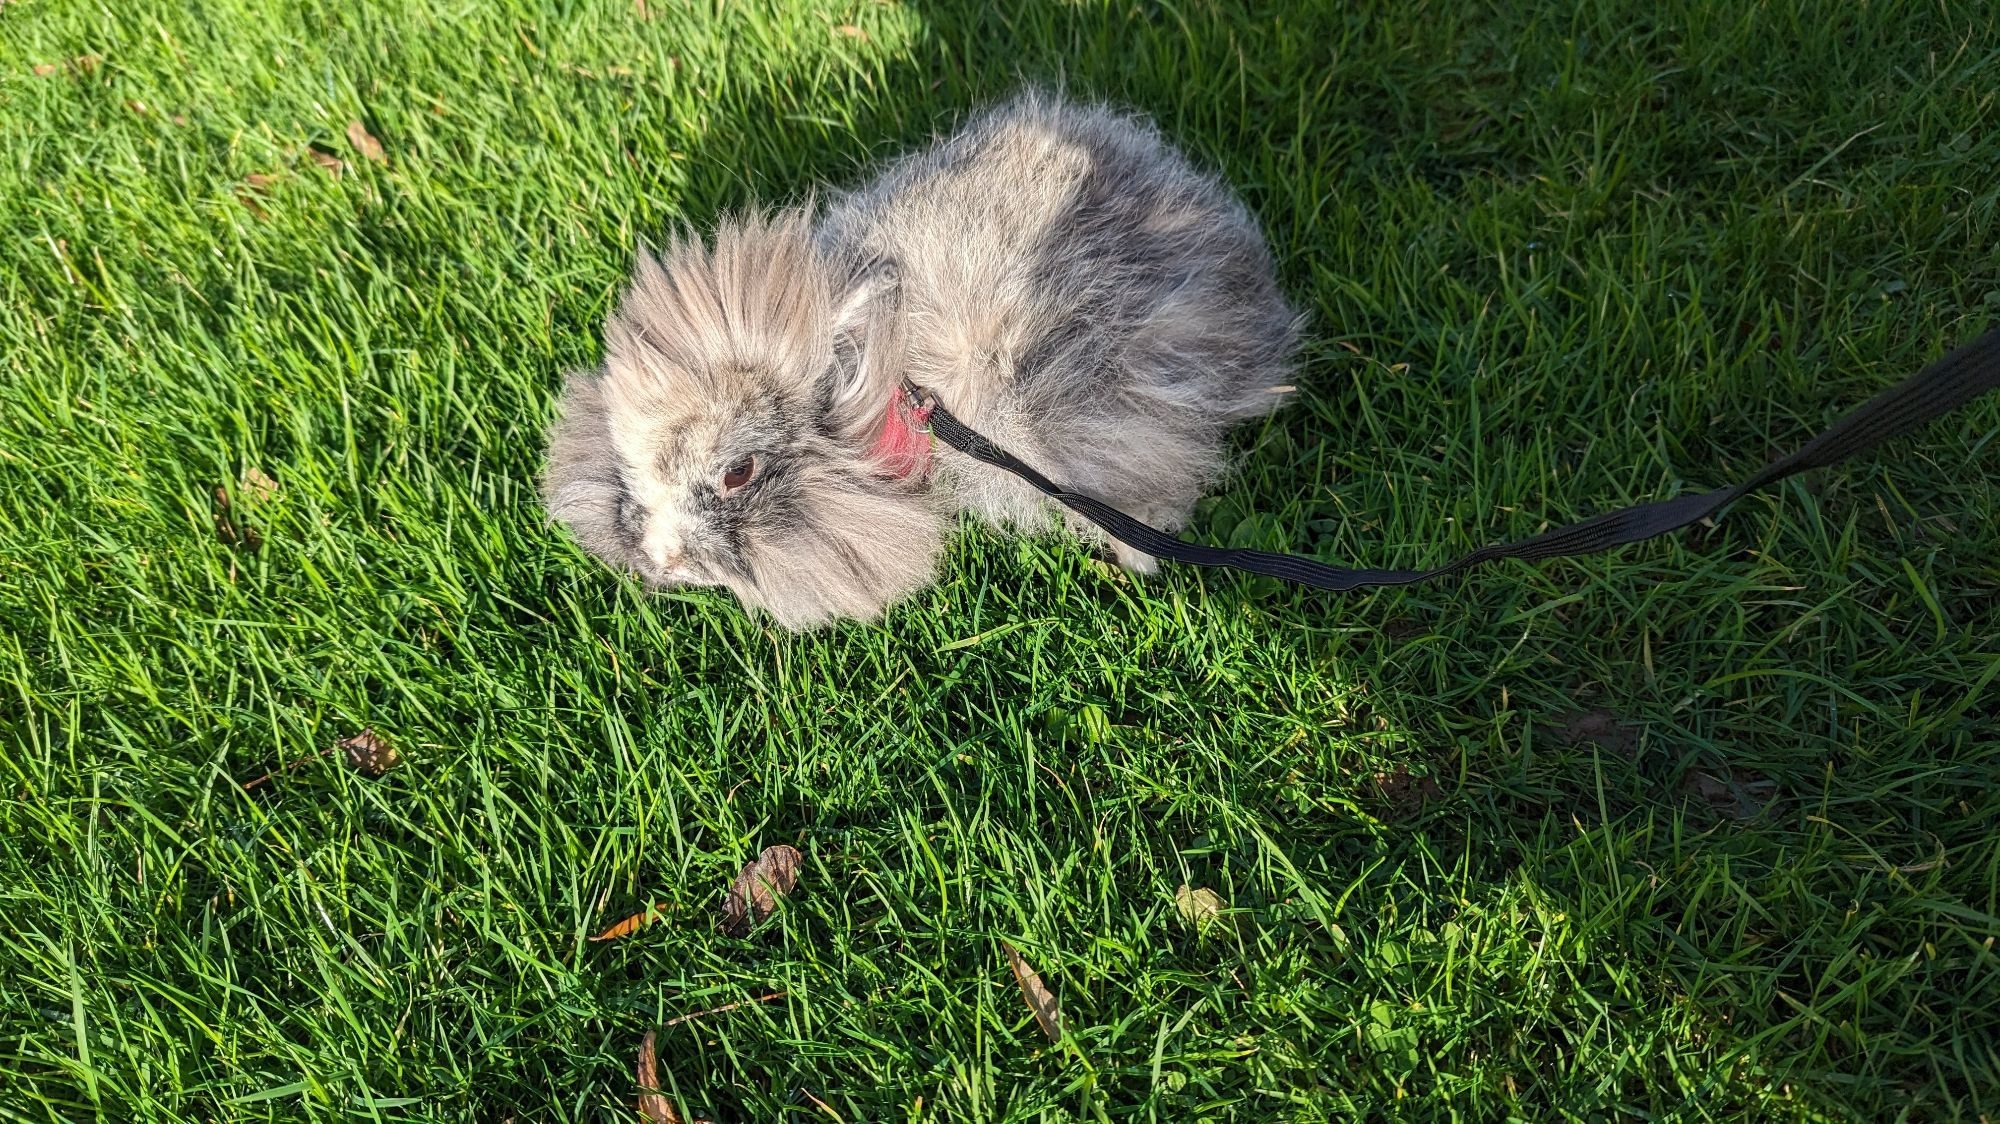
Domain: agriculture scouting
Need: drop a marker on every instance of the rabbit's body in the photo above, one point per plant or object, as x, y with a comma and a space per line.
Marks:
1064, 282
1075, 290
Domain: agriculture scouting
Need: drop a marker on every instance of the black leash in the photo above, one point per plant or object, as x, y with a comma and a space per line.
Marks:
1936, 390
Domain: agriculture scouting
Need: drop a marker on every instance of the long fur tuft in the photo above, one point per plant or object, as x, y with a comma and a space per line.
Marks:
756, 296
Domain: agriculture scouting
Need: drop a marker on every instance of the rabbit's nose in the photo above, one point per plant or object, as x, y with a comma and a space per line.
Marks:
665, 545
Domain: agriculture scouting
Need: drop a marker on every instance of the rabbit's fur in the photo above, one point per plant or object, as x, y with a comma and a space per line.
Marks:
1062, 279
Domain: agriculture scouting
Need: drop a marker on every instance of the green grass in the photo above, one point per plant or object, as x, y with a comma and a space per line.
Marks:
1558, 257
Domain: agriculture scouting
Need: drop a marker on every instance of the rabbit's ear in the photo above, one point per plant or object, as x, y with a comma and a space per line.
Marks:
867, 342
869, 285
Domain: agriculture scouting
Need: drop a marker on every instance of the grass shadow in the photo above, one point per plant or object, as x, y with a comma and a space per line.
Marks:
1465, 204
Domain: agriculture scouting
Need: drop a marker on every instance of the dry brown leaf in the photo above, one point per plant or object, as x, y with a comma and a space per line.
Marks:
654, 1107
1407, 793
257, 484
1198, 908
85, 64
852, 32
631, 924
256, 186
369, 752
706, 1011
327, 161
137, 107
1040, 999
1739, 794
228, 529
44, 69
365, 143
755, 893
640, 7
180, 119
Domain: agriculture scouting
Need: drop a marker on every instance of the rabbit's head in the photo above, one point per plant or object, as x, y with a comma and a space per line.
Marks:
730, 436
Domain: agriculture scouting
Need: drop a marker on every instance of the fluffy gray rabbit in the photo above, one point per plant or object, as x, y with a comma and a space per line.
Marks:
1062, 279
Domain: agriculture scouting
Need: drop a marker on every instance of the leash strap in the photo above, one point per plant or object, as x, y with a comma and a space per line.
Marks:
1938, 389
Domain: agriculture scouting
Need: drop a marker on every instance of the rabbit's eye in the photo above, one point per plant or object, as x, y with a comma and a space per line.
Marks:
739, 474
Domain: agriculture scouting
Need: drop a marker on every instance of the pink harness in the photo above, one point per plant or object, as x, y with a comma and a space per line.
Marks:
903, 447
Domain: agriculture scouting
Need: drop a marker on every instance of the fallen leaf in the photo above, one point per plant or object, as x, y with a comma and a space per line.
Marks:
1199, 908
327, 161
1739, 794
365, 143
87, 64
257, 484
693, 1015
180, 119
44, 69
1040, 999
228, 529
755, 893
654, 1107
369, 752
1599, 727
137, 107
640, 7
631, 924
1406, 792
255, 187
852, 32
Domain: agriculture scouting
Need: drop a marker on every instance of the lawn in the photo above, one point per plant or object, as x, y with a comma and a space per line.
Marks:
1700, 830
